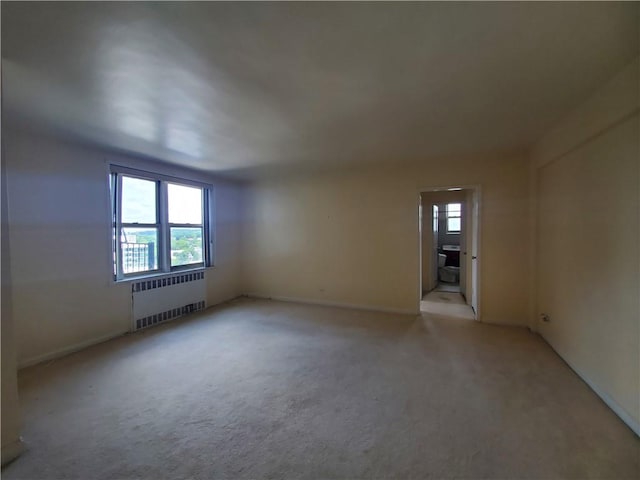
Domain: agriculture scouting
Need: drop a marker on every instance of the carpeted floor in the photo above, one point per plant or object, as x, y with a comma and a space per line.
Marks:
262, 389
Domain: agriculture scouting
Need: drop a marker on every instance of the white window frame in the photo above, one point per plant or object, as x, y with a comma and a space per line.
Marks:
457, 215
162, 223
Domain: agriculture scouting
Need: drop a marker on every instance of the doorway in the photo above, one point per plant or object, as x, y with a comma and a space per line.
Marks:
449, 244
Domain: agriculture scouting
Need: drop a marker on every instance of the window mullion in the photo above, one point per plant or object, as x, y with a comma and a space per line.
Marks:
165, 232
140, 225
118, 230
186, 225
207, 221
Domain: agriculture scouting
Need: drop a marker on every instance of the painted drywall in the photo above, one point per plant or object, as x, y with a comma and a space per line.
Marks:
11, 417
352, 237
62, 288
223, 279
588, 241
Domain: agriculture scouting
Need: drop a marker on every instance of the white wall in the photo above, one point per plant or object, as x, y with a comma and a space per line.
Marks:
352, 237
588, 241
11, 417
62, 289
223, 280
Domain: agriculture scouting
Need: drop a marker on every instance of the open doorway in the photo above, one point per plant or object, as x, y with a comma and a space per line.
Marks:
449, 241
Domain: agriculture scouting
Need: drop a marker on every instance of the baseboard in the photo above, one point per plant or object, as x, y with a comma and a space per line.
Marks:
68, 350
12, 451
329, 303
633, 424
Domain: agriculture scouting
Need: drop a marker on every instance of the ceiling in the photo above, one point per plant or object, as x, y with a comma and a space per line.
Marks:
247, 88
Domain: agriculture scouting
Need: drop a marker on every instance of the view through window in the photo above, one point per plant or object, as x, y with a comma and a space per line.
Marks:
454, 214
159, 225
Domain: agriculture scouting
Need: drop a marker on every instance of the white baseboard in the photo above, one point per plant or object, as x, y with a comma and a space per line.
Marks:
68, 350
329, 303
632, 423
12, 451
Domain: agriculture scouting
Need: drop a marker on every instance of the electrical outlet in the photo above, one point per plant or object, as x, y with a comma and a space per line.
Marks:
545, 318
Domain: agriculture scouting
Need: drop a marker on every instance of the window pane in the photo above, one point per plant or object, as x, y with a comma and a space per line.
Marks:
138, 200
186, 246
139, 249
185, 204
454, 208
453, 224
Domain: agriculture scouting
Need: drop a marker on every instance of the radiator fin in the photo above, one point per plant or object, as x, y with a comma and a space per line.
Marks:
144, 285
168, 315
163, 299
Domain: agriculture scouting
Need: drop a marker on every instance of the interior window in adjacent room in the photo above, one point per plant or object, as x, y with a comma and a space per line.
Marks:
454, 214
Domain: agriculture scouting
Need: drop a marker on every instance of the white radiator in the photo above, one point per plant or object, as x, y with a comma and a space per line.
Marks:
159, 300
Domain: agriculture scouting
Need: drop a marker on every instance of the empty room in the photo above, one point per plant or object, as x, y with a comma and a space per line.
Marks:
320, 240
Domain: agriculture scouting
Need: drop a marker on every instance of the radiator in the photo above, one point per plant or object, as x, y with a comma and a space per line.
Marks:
159, 300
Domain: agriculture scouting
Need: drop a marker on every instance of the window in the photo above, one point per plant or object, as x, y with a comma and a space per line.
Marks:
435, 218
454, 213
160, 224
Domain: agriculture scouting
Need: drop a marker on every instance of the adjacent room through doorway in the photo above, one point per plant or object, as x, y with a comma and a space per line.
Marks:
448, 251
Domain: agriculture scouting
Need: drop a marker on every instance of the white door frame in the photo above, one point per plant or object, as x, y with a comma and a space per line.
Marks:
434, 222
477, 230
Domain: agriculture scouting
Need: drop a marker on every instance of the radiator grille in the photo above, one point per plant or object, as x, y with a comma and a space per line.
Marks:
168, 315
166, 282
163, 299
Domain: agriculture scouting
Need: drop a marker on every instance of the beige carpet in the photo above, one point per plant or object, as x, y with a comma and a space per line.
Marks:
260, 389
